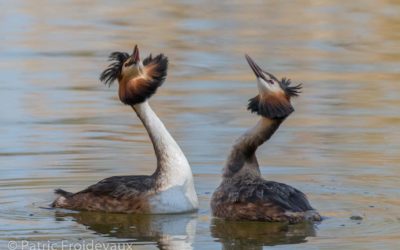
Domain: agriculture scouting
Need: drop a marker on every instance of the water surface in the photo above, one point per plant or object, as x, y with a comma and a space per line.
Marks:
60, 127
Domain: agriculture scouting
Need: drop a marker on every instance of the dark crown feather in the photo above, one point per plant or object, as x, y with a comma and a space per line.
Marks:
148, 59
113, 71
159, 73
290, 90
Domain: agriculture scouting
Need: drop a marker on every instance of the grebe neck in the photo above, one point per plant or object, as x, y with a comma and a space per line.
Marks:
172, 166
242, 158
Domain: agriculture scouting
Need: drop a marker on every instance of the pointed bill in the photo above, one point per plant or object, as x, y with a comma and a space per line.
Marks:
256, 69
135, 54
259, 72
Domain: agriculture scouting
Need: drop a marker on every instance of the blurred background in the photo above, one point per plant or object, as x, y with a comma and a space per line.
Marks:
60, 127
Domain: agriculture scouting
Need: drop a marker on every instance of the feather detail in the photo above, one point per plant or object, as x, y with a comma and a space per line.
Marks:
113, 71
271, 106
143, 86
290, 90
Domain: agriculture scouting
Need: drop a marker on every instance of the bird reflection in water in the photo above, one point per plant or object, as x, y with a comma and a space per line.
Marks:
255, 235
174, 231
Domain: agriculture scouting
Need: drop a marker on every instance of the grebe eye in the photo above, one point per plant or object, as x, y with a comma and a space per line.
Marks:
128, 63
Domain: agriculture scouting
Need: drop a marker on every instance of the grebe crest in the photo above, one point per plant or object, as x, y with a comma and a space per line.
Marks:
170, 189
273, 100
137, 80
243, 193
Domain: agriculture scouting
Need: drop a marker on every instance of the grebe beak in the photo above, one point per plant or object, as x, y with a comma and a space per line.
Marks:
259, 72
135, 55
256, 69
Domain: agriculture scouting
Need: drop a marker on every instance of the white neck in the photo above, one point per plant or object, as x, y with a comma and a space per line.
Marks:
173, 168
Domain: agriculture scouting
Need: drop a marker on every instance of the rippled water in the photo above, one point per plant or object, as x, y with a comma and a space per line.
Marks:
60, 127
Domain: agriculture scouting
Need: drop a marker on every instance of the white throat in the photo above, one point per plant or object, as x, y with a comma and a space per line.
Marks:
174, 175
264, 87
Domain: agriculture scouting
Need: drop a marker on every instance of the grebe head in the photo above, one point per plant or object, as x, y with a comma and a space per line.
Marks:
138, 80
273, 100
132, 66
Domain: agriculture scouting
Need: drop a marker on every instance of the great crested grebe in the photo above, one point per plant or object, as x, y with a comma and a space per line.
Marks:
243, 193
170, 188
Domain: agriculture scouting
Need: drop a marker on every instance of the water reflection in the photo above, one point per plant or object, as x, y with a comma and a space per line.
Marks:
255, 235
165, 231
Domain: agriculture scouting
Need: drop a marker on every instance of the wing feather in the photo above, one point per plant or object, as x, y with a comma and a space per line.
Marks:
121, 186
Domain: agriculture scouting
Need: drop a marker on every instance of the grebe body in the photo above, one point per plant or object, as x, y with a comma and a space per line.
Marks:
170, 189
243, 194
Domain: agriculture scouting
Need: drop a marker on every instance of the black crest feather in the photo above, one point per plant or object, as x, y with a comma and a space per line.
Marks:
147, 60
113, 71
290, 90
159, 72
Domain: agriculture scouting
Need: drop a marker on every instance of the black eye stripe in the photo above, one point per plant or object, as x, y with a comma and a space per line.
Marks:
129, 63
266, 80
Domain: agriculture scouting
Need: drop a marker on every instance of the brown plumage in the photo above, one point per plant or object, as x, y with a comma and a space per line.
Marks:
138, 80
145, 84
249, 197
120, 194
271, 105
243, 194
